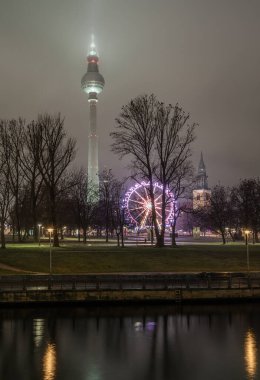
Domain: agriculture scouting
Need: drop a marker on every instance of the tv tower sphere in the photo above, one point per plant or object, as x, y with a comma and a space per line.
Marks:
92, 83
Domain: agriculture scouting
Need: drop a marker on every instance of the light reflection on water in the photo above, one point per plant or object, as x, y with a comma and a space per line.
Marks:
139, 342
38, 331
250, 354
49, 362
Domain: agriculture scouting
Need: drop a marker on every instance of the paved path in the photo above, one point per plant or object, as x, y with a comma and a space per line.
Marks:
15, 269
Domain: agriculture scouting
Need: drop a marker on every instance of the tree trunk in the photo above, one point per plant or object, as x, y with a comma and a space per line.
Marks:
174, 245
152, 237
107, 230
35, 231
35, 222
223, 237
18, 226
255, 237
3, 235
162, 232
118, 241
154, 217
160, 241
84, 235
25, 234
54, 221
231, 235
122, 237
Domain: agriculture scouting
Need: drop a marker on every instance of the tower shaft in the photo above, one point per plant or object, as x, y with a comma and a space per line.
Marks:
93, 145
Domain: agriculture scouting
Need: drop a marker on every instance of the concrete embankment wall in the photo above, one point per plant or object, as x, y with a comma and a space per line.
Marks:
149, 287
120, 296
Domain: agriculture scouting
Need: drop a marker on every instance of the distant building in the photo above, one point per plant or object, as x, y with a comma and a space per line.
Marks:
201, 192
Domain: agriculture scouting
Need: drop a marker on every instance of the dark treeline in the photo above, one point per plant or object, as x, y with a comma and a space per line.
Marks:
232, 211
39, 186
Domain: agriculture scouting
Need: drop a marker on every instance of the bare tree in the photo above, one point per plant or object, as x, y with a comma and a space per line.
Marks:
32, 174
5, 205
6, 196
181, 186
157, 138
54, 153
247, 204
173, 139
12, 137
217, 215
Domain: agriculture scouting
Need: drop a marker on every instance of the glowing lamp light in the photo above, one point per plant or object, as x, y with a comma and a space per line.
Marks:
247, 232
50, 230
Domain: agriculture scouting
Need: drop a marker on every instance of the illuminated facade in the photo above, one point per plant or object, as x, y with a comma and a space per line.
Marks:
92, 84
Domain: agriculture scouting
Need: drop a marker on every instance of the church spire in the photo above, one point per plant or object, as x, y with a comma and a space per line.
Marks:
202, 167
202, 178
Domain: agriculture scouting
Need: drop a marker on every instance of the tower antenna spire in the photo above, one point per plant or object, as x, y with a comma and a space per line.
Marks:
93, 49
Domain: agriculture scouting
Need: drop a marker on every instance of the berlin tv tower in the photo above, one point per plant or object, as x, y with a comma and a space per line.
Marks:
92, 83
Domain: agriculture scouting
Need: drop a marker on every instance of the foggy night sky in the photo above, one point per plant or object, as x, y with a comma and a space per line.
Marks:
203, 54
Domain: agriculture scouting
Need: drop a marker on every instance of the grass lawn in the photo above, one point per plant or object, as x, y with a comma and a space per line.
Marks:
77, 258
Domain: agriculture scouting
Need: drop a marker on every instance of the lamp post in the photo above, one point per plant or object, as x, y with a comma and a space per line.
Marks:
50, 230
247, 249
39, 237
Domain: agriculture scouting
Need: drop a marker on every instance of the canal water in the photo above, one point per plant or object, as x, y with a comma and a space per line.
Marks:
131, 343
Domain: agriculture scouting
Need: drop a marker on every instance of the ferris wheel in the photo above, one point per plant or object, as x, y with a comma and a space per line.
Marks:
139, 207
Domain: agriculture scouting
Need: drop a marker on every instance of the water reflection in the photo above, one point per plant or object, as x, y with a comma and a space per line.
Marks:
38, 331
250, 354
49, 362
143, 343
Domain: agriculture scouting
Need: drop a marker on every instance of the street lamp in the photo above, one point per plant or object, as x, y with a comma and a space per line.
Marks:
247, 249
50, 230
39, 237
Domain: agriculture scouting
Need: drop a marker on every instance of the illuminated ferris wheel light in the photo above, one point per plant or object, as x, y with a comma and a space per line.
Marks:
149, 205
139, 206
